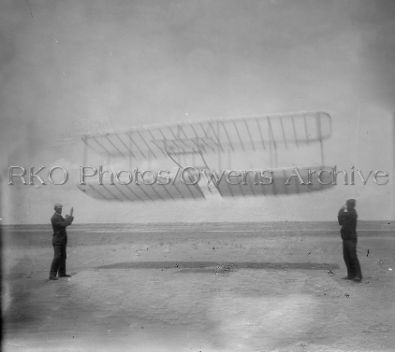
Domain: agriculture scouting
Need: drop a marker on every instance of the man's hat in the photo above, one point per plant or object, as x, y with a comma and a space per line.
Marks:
351, 202
58, 205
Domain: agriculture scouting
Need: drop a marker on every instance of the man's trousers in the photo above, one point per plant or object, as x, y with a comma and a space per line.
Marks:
58, 265
351, 259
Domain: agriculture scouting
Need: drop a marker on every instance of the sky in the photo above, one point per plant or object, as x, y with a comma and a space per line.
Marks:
69, 68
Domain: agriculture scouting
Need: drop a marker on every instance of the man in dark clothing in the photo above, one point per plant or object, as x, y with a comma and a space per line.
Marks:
59, 242
347, 218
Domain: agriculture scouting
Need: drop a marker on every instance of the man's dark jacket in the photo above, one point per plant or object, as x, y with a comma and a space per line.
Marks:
59, 224
348, 221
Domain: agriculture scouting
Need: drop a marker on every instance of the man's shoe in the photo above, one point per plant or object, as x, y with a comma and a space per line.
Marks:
347, 278
53, 278
357, 279
65, 275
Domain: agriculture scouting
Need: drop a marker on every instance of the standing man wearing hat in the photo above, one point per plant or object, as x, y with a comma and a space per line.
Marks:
59, 242
347, 218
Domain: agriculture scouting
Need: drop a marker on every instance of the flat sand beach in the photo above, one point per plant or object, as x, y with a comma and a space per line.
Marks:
199, 287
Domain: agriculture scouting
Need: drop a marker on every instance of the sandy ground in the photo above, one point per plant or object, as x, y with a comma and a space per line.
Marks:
202, 287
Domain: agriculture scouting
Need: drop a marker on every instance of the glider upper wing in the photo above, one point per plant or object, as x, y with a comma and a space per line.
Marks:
242, 134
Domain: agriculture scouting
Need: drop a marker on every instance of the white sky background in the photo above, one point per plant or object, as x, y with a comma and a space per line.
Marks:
75, 67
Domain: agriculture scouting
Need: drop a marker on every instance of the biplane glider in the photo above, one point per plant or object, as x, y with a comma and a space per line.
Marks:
204, 146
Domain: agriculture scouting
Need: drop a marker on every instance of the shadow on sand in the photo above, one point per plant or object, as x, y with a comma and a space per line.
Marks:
218, 266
